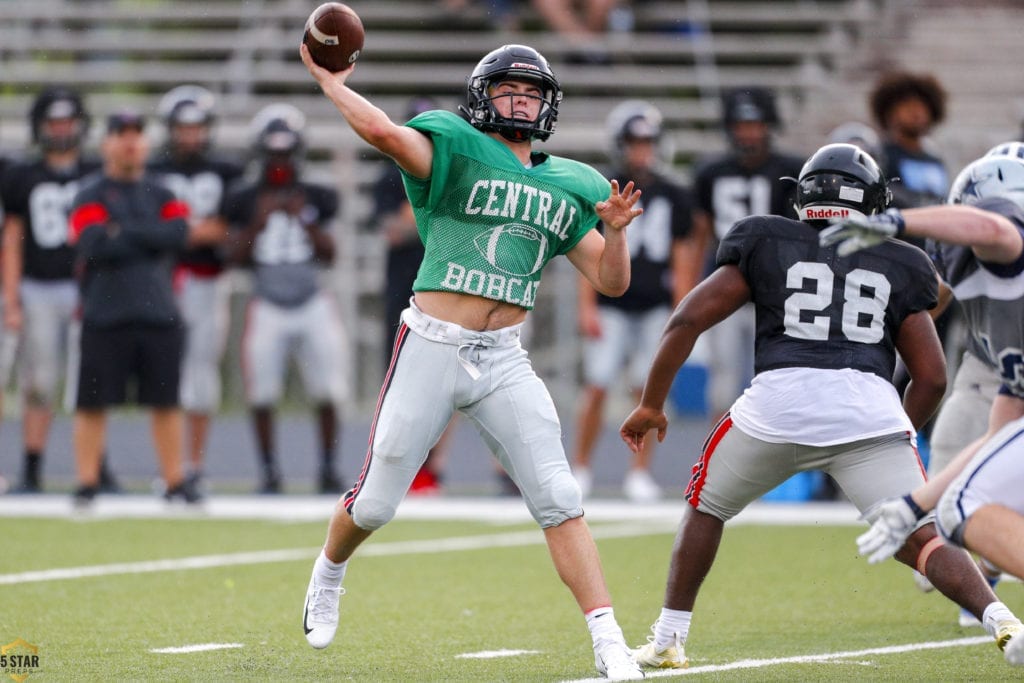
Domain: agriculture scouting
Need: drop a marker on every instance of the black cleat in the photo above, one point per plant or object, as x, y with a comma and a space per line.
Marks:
184, 491
271, 484
84, 496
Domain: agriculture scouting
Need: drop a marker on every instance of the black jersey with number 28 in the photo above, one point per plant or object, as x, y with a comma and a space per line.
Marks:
817, 310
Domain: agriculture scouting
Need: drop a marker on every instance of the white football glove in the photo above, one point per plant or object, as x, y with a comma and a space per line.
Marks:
854, 234
895, 521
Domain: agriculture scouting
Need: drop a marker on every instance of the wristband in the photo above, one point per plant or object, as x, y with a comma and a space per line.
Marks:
897, 219
914, 507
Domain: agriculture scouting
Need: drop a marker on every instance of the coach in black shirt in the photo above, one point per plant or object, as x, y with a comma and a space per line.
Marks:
127, 229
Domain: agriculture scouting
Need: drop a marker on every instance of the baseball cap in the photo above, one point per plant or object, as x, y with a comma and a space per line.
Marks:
123, 119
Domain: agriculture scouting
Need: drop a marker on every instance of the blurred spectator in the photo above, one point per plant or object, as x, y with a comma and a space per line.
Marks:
622, 333
394, 218
281, 230
200, 178
503, 15
39, 289
747, 180
583, 24
128, 230
906, 108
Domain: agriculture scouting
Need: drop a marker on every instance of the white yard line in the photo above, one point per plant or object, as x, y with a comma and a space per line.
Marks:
188, 649
417, 547
493, 654
805, 659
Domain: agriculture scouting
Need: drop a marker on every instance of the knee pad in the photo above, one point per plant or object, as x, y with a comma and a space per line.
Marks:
560, 502
370, 514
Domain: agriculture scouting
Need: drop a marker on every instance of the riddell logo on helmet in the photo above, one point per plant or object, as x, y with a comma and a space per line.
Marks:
825, 213
523, 65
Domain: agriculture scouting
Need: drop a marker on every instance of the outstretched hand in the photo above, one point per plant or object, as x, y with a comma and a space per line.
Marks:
642, 420
620, 208
321, 74
854, 234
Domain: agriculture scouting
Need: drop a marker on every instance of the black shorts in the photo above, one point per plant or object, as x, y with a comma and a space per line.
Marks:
146, 357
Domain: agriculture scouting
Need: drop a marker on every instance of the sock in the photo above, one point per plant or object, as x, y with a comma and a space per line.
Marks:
672, 625
327, 573
602, 624
995, 613
327, 459
33, 460
268, 461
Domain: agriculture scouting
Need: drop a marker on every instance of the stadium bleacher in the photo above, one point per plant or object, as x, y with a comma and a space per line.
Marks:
678, 55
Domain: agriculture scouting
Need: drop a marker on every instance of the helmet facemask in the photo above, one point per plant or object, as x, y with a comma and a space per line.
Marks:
59, 125
512, 63
511, 128
188, 114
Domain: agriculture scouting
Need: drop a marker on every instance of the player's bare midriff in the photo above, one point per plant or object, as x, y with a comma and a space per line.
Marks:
469, 311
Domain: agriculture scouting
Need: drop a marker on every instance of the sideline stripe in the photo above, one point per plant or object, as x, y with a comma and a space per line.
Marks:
186, 649
416, 547
805, 659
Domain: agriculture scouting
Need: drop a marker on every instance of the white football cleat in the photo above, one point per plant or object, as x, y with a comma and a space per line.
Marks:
968, 620
922, 582
672, 657
639, 487
1011, 632
615, 662
1013, 651
320, 613
585, 479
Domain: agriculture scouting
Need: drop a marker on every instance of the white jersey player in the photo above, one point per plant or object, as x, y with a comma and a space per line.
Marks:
200, 179
979, 497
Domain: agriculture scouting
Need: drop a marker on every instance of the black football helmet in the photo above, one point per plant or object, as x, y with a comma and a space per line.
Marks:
187, 105
749, 104
634, 120
992, 175
840, 180
512, 62
53, 104
278, 142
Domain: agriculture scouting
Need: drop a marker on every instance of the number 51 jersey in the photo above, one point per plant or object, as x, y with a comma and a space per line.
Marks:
817, 310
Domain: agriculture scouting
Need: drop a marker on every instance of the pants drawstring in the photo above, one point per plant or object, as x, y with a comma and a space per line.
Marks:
466, 364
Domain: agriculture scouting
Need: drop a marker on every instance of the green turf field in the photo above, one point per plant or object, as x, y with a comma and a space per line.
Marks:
419, 601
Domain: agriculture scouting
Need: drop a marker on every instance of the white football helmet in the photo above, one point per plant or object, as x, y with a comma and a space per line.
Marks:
1007, 149
990, 176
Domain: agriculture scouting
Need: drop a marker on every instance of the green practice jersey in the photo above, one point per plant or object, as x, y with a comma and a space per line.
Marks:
490, 225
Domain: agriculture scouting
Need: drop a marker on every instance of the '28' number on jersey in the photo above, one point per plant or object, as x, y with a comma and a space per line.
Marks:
865, 299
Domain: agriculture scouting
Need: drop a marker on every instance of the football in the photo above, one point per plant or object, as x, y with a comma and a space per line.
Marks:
334, 35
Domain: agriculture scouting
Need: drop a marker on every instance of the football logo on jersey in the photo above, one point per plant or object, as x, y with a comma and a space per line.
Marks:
513, 248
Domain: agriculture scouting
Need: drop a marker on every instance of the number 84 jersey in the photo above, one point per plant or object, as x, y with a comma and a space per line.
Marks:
824, 324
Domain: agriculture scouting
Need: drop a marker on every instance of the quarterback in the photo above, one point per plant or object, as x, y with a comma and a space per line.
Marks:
491, 212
